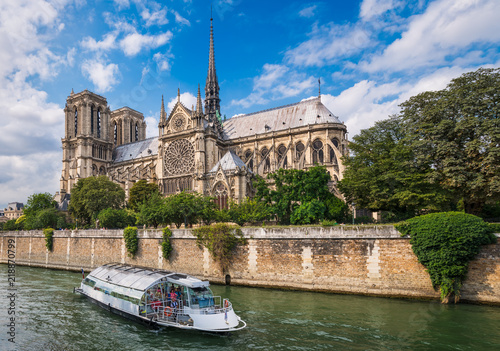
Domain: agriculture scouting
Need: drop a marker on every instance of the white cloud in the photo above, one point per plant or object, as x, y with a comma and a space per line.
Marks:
276, 82
122, 4
163, 61
179, 19
133, 43
103, 75
445, 29
308, 11
187, 99
151, 126
158, 17
373, 8
328, 44
107, 43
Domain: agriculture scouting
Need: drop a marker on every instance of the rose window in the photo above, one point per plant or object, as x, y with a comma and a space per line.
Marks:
179, 157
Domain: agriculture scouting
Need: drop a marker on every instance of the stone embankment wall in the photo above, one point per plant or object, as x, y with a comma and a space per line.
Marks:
372, 260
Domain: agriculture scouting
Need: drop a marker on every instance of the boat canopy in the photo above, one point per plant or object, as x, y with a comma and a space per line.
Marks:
141, 278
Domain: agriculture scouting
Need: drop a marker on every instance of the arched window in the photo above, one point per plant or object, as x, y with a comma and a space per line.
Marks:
131, 131
282, 155
102, 171
249, 159
221, 195
76, 121
94, 170
99, 122
317, 151
115, 133
335, 142
264, 153
333, 158
136, 132
299, 150
92, 119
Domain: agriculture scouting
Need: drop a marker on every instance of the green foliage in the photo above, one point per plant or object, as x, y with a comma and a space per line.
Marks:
455, 135
92, 195
115, 218
11, 225
328, 223
131, 240
249, 211
38, 202
49, 241
152, 212
183, 208
495, 227
140, 192
308, 212
166, 245
445, 243
220, 239
297, 190
336, 209
40, 212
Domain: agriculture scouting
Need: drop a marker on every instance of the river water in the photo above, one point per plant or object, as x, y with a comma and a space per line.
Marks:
49, 316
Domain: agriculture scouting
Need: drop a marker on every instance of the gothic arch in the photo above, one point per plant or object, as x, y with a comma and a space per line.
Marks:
282, 157
317, 152
221, 193
264, 154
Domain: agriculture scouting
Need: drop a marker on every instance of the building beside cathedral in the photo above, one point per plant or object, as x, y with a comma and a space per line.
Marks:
195, 150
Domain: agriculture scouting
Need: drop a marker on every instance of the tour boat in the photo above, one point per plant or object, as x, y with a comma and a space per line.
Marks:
160, 298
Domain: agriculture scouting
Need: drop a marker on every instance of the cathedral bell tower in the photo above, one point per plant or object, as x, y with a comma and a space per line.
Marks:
87, 148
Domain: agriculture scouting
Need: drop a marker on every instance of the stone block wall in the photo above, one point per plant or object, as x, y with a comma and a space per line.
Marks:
352, 259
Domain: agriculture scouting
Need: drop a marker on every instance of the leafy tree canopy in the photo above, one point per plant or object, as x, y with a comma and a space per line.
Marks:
444, 147
93, 194
140, 192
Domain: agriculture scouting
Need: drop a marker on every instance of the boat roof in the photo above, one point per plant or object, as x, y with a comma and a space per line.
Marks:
141, 278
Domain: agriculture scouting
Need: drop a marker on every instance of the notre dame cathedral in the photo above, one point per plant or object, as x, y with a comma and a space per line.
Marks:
195, 150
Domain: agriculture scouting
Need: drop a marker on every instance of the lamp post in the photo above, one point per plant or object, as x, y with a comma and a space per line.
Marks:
353, 212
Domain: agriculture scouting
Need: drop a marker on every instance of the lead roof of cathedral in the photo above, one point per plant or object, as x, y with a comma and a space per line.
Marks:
230, 161
136, 150
300, 114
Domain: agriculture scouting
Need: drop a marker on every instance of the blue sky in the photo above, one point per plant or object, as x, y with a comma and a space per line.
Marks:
371, 55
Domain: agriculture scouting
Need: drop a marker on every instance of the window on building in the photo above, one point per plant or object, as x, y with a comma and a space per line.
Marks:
299, 150
333, 157
115, 133
136, 132
335, 142
76, 121
282, 156
317, 151
99, 122
92, 119
221, 195
264, 153
131, 131
249, 159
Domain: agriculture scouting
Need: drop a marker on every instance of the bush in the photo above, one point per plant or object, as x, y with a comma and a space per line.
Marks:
308, 213
220, 240
445, 243
328, 223
131, 240
114, 218
166, 245
495, 227
49, 241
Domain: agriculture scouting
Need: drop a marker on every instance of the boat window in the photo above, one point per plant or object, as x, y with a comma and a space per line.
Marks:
201, 296
89, 282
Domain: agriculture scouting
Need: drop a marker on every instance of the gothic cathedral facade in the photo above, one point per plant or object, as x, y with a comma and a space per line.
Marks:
195, 150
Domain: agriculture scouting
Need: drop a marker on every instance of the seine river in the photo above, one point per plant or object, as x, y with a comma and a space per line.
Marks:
50, 317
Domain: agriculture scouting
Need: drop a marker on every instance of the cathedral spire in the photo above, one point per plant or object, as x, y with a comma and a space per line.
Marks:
199, 107
163, 115
212, 101
178, 94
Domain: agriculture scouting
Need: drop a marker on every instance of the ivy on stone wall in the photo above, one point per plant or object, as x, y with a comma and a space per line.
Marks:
166, 245
131, 240
445, 243
49, 241
220, 239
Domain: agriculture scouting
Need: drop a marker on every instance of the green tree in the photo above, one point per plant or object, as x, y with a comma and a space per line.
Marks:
38, 202
248, 211
455, 134
93, 194
294, 188
183, 208
115, 218
40, 211
153, 211
381, 174
140, 192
